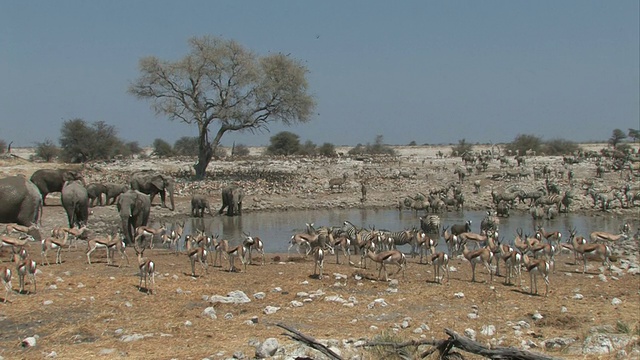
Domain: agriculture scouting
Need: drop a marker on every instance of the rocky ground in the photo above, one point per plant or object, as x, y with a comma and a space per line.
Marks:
96, 310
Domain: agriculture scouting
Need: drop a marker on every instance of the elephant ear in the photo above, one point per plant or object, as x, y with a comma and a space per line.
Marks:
158, 182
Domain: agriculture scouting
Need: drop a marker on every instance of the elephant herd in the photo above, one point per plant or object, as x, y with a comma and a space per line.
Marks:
22, 199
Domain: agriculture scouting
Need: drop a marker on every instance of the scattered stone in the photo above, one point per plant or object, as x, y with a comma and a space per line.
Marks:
459, 295
295, 303
602, 278
267, 349
472, 316
578, 297
404, 324
210, 312
228, 316
29, 341
80, 285
302, 294
259, 295
130, 338
470, 333
488, 330
52, 355
271, 310
379, 302
276, 289
616, 301
179, 291
234, 297
47, 302
537, 316
188, 323
452, 269
335, 298
128, 304
557, 343
53, 287
563, 309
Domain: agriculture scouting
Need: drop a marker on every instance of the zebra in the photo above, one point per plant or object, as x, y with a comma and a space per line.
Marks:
430, 224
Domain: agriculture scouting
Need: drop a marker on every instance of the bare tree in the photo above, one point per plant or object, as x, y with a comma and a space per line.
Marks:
220, 82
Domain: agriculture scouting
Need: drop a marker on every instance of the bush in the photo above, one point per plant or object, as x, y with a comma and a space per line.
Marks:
308, 149
47, 150
523, 143
412, 143
80, 142
462, 147
162, 148
284, 143
378, 148
240, 150
560, 147
186, 146
133, 148
328, 150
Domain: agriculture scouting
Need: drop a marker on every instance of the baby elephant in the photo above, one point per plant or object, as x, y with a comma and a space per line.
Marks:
198, 204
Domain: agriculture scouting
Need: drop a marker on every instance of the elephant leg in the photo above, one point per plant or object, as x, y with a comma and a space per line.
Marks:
162, 198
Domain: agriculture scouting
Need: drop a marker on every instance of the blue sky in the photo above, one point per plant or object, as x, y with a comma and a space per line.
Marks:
427, 71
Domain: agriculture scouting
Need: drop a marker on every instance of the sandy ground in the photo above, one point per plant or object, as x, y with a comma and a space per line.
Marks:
82, 310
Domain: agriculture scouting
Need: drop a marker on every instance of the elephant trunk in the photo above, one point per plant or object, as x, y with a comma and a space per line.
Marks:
171, 190
126, 229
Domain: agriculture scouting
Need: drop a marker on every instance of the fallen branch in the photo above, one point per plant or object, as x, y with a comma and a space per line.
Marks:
468, 345
309, 341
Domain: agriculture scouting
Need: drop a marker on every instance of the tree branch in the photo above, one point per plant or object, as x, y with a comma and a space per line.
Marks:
309, 341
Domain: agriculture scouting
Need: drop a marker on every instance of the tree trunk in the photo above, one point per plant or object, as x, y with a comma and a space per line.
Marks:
204, 157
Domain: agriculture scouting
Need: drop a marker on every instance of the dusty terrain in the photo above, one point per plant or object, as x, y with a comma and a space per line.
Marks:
82, 310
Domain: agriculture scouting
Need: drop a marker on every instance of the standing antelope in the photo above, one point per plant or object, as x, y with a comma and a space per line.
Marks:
301, 240
76, 233
552, 235
254, 243
25, 266
394, 257
5, 275
102, 243
579, 240
147, 270
440, 260
318, 261
147, 231
345, 244
546, 250
200, 254
236, 251
480, 256
535, 267
118, 244
513, 261
220, 250
52, 243
476, 238
599, 251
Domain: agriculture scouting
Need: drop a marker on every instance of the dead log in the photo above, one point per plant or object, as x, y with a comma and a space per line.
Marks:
309, 341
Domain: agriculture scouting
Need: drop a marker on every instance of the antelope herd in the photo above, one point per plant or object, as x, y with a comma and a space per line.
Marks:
535, 252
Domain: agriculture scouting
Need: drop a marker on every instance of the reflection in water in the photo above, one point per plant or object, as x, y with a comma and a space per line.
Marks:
276, 228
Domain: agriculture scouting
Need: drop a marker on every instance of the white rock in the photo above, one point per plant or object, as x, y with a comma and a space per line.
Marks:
267, 349
470, 333
128, 304
472, 316
276, 289
563, 309
210, 312
53, 287
335, 298
602, 278
47, 302
452, 269
259, 295
537, 316
80, 285
295, 303
130, 338
188, 323
578, 297
488, 330
302, 294
616, 301
270, 310
29, 341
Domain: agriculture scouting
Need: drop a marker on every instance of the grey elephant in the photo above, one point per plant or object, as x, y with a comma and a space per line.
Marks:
232, 200
95, 191
113, 191
152, 183
134, 208
199, 203
52, 180
75, 201
20, 201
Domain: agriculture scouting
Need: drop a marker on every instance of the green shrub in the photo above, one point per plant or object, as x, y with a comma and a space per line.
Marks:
284, 143
525, 142
462, 147
327, 150
47, 150
162, 148
560, 147
186, 146
378, 148
80, 142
